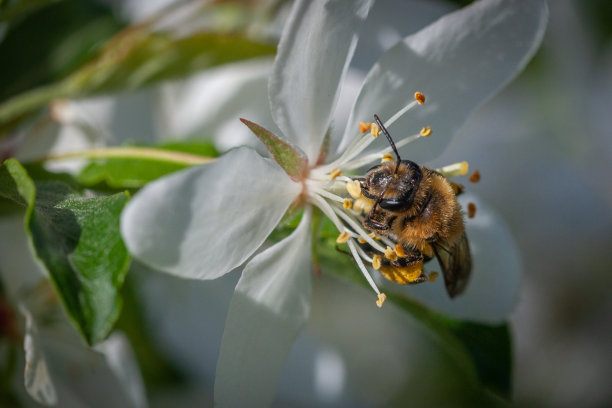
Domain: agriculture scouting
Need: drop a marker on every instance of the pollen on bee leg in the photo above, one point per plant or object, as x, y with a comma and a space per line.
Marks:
387, 158
347, 204
354, 188
334, 173
343, 238
364, 126
381, 299
419, 97
390, 254
432, 277
399, 250
376, 261
455, 169
471, 207
426, 131
374, 130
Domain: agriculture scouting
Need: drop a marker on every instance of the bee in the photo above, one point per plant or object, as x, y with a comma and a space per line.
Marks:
416, 207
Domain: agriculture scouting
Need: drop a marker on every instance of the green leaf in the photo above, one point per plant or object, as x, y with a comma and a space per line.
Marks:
77, 240
134, 58
483, 351
289, 157
136, 172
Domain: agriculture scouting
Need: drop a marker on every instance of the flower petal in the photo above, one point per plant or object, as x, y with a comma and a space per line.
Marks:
317, 43
268, 310
458, 62
204, 221
492, 290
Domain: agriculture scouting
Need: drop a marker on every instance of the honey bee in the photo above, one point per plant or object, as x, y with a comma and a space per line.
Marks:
417, 208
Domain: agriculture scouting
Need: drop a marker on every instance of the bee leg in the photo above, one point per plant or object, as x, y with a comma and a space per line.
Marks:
374, 225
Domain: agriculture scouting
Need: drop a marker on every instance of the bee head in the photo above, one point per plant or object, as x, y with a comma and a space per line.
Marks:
393, 190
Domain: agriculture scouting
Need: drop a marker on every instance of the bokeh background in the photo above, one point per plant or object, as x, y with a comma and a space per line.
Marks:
543, 147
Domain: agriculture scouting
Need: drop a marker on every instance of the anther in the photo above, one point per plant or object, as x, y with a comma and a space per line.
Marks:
354, 188
387, 158
376, 261
475, 177
375, 130
426, 131
432, 276
419, 97
364, 126
334, 173
347, 204
381, 299
343, 238
390, 254
399, 250
373, 235
455, 169
361, 240
471, 210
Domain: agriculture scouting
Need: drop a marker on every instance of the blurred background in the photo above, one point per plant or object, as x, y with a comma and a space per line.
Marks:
543, 147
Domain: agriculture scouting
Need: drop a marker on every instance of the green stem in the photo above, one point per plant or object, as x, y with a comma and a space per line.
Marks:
31, 100
146, 153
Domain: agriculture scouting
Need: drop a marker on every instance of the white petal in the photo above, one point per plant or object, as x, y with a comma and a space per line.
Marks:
492, 290
317, 43
458, 62
204, 221
268, 310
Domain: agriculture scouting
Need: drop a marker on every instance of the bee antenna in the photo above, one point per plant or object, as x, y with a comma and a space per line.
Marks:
384, 130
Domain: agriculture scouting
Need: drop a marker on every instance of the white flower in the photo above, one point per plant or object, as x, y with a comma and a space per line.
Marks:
205, 221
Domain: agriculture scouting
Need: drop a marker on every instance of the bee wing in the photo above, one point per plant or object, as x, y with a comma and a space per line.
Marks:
456, 264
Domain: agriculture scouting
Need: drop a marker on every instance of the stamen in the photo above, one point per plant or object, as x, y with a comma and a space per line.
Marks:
419, 97
399, 250
364, 127
471, 210
334, 173
354, 188
390, 254
347, 204
374, 130
387, 158
373, 235
343, 238
363, 205
361, 240
455, 169
376, 261
357, 228
381, 299
364, 271
426, 131
432, 277
370, 158
475, 177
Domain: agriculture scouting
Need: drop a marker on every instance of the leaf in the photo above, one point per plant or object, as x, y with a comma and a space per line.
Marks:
483, 351
135, 173
77, 240
289, 157
134, 58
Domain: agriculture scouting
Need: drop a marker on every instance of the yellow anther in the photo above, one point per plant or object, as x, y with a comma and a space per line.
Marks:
426, 131
471, 210
455, 169
390, 254
432, 276
419, 97
347, 204
376, 261
374, 130
399, 250
364, 126
475, 177
381, 299
373, 235
387, 158
361, 240
342, 238
334, 173
354, 188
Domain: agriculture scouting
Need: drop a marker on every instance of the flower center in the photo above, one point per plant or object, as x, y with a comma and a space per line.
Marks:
338, 193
